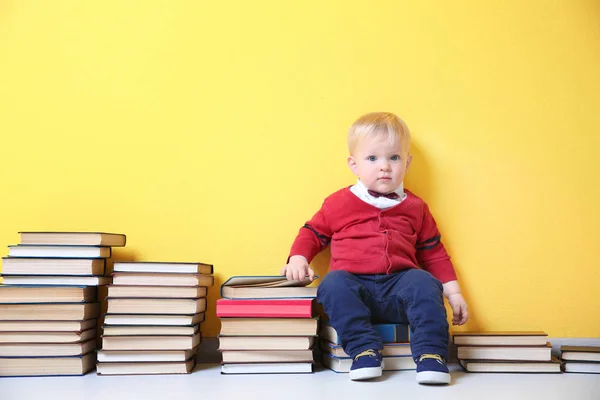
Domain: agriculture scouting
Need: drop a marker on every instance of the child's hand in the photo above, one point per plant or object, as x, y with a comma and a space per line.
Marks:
459, 309
297, 269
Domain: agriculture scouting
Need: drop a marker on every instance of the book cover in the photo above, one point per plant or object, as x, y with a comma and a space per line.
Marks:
265, 287
74, 238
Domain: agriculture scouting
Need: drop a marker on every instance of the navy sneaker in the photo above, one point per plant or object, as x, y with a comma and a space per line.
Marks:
367, 365
432, 370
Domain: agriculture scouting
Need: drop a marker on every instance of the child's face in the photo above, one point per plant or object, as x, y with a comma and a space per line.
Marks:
379, 164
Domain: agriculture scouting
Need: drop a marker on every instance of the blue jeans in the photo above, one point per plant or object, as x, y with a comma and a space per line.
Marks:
412, 296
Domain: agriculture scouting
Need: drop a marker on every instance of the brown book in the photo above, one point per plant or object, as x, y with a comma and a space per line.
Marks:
552, 366
47, 326
163, 292
266, 342
500, 338
74, 238
47, 366
162, 320
580, 353
47, 294
524, 353
53, 266
156, 306
269, 326
155, 279
146, 368
47, 337
49, 311
46, 349
249, 356
151, 342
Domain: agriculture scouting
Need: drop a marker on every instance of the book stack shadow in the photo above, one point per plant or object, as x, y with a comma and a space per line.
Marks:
580, 359
396, 352
154, 312
50, 302
268, 325
506, 351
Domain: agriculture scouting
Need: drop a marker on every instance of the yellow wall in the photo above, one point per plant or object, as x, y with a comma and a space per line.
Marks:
211, 131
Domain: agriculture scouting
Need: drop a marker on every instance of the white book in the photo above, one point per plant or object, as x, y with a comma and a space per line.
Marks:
393, 363
163, 267
267, 368
47, 366
145, 368
582, 367
162, 320
145, 356
524, 353
30, 250
47, 337
56, 280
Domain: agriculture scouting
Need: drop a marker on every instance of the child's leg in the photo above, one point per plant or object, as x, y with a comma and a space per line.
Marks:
415, 295
348, 304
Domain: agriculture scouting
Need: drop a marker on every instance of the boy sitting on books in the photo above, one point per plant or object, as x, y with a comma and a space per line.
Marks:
387, 261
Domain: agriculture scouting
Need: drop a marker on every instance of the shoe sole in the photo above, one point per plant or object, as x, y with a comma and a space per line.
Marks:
433, 378
366, 373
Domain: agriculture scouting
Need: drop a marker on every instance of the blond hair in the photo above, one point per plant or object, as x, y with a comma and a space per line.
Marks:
382, 125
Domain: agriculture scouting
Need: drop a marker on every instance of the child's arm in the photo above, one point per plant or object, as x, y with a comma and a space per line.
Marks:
432, 257
313, 237
457, 302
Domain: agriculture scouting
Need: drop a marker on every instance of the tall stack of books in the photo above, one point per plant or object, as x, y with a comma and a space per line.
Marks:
50, 302
152, 324
268, 325
396, 348
581, 359
513, 351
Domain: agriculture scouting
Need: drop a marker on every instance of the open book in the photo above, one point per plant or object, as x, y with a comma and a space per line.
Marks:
266, 287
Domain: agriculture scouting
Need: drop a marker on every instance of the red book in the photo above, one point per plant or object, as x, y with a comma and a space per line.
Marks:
277, 308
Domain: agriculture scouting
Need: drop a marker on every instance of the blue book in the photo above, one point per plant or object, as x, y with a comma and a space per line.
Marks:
389, 333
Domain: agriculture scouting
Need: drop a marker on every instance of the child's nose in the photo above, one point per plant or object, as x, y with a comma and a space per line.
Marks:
385, 166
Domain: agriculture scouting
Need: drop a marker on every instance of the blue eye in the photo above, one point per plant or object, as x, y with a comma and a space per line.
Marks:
372, 158
395, 158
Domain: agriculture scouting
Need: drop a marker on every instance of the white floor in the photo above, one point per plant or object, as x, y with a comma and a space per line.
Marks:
206, 383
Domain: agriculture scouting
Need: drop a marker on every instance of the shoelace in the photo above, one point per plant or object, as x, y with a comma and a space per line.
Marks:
434, 356
370, 353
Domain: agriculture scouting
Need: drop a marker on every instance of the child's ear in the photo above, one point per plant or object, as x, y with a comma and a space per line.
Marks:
408, 161
352, 165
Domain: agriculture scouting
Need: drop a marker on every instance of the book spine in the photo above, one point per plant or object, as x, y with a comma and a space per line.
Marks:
392, 333
242, 311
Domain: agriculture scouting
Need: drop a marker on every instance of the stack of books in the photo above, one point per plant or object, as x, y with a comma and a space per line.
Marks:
268, 325
581, 359
50, 302
513, 351
152, 324
396, 348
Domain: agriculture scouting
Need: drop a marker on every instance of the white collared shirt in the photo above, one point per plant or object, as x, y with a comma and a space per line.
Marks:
361, 191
